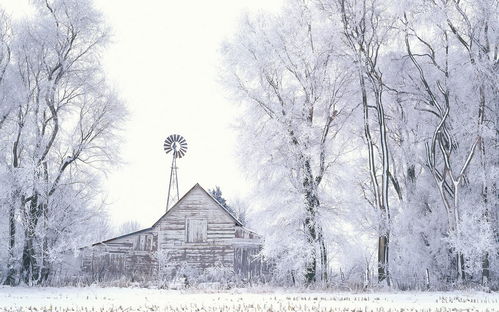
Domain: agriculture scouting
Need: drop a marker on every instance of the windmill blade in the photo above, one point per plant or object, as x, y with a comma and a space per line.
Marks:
167, 146
177, 144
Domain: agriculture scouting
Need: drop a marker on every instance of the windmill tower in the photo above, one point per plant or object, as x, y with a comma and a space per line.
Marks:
178, 146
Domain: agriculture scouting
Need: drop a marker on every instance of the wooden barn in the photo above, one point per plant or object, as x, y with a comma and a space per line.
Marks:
196, 234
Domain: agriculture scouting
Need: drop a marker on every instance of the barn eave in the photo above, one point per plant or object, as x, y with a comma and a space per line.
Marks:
122, 236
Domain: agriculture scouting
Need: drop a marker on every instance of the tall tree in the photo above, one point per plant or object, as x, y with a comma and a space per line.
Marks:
458, 46
7, 100
281, 67
425, 75
63, 130
366, 27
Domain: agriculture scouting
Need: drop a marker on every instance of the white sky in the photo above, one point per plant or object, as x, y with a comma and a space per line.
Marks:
163, 60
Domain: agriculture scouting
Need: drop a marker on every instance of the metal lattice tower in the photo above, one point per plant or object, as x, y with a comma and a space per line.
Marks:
178, 146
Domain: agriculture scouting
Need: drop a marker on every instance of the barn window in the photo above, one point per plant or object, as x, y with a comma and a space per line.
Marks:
196, 230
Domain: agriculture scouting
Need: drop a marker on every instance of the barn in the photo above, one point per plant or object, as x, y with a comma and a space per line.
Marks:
197, 234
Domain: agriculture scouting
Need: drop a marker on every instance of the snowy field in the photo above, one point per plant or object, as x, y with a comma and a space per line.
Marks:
139, 299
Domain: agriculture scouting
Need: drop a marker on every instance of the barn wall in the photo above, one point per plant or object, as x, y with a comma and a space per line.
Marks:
172, 229
132, 256
247, 245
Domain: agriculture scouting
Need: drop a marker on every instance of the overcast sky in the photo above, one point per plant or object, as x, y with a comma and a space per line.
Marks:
163, 60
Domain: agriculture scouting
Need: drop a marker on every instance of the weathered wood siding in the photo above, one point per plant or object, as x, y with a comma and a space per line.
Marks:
247, 246
196, 233
132, 256
173, 232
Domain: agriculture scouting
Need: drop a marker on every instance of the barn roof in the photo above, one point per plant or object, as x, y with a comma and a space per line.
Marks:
166, 213
209, 195
122, 236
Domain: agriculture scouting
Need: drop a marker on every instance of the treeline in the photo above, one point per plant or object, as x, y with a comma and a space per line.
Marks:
58, 126
372, 129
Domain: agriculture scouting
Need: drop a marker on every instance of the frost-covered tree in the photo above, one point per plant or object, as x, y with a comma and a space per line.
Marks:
128, 227
237, 208
365, 34
5, 64
7, 99
281, 67
424, 77
452, 69
217, 194
60, 133
240, 209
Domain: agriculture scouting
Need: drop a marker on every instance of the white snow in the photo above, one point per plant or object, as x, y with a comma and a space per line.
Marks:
141, 299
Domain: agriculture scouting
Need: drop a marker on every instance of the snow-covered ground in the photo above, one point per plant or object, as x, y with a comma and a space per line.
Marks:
140, 299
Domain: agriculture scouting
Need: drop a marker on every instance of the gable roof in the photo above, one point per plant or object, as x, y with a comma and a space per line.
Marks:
209, 195
166, 213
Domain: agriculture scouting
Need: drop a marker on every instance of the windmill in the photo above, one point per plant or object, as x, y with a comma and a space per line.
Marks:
178, 146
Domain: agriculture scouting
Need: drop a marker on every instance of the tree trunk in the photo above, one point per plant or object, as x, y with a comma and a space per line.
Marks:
28, 259
45, 267
312, 203
485, 269
324, 263
11, 271
381, 198
29, 268
383, 258
311, 271
485, 180
383, 248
